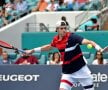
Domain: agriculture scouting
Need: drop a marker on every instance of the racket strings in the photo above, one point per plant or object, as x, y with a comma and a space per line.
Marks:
4, 44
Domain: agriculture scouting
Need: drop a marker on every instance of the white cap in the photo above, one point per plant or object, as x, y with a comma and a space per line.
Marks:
60, 23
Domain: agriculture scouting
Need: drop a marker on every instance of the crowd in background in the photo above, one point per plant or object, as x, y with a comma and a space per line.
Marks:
10, 10
20, 59
54, 58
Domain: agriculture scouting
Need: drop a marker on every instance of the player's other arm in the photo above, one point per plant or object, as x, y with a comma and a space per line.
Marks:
39, 49
95, 45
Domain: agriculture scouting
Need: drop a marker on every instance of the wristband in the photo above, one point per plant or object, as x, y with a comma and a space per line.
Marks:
37, 49
97, 47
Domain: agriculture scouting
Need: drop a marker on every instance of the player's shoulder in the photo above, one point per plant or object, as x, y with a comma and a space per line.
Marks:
72, 34
75, 34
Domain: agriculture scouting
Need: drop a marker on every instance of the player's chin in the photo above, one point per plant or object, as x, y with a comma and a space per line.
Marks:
64, 33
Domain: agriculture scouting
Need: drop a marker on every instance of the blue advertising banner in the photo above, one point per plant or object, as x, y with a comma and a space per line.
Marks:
45, 77
32, 77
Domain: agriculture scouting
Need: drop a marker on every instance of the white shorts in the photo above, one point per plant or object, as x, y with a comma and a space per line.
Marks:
83, 76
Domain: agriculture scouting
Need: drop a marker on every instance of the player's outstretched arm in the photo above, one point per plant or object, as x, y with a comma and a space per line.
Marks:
95, 45
39, 49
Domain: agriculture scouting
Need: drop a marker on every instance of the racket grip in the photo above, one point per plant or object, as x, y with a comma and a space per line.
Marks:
21, 51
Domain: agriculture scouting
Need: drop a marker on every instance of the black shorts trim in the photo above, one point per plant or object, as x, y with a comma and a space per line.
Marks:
87, 87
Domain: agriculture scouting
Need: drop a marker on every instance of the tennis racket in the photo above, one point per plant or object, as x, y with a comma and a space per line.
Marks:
105, 49
8, 46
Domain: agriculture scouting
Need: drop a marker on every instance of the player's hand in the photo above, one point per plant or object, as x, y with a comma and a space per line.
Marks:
29, 51
101, 50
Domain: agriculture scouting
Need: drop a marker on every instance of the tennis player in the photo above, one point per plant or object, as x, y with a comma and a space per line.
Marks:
74, 68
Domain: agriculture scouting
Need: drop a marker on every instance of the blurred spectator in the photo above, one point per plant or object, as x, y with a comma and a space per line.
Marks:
4, 16
41, 6
96, 4
2, 3
65, 20
95, 25
90, 25
69, 4
99, 59
26, 59
10, 6
5, 58
21, 5
52, 6
56, 59
61, 5
80, 4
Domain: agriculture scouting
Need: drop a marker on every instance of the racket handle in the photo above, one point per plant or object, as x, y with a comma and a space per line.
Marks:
21, 51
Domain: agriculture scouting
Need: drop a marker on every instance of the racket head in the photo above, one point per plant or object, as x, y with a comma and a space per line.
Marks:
8, 46
5, 45
105, 49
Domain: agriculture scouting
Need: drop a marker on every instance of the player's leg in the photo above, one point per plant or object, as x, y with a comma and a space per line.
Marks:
89, 89
66, 82
87, 80
87, 83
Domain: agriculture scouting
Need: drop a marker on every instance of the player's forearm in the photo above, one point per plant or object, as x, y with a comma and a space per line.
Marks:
39, 49
43, 48
95, 45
